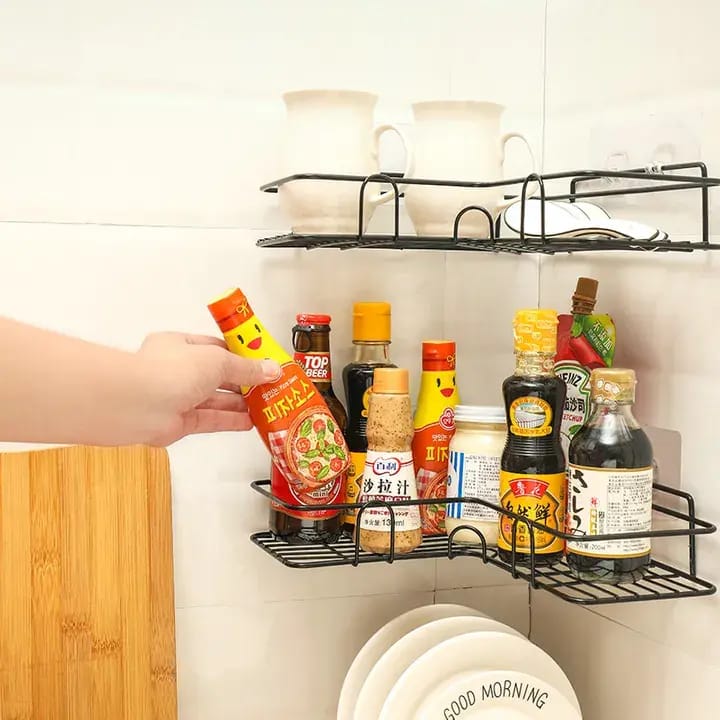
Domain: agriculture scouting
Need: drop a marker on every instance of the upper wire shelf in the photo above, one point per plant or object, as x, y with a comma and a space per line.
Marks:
661, 178
661, 582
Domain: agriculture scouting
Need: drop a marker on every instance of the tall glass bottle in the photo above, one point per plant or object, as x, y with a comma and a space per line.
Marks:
532, 468
371, 338
610, 478
311, 342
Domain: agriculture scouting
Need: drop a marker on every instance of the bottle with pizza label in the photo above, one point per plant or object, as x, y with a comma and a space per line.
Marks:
311, 342
434, 424
290, 414
371, 338
610, 479
532, 467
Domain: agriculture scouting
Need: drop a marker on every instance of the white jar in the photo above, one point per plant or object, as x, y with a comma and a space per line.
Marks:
474, 471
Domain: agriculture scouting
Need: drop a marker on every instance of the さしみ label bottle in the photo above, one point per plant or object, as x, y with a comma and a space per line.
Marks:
610, 477
532, 468
289, 413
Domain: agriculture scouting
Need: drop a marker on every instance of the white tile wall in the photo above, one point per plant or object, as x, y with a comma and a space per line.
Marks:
133, 137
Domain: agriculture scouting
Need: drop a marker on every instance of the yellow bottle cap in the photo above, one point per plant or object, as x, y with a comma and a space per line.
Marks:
535, 331
371, 322
391, 381
612, 385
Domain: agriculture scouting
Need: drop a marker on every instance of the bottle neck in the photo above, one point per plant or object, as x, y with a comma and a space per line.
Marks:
535, 364
372, 352
615, 414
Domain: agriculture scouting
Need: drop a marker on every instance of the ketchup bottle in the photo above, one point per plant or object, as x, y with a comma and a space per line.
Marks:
290, 414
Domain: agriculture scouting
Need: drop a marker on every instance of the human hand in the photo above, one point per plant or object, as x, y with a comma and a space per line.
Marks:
196, 385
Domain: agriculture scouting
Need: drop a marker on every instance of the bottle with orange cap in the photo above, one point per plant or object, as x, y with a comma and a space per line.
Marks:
371, 338
434, 425
389, 475
290, 413
532, 467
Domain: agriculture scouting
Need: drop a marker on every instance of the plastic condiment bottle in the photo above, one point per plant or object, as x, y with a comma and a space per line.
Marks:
585, 341
610, 478
289, 413
475, 452
532, 468
311, 342
389, 473
371, 338
434, 424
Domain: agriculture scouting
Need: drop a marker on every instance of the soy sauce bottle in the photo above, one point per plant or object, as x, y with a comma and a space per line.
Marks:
311, 342
371, 338
532, 467
610, 477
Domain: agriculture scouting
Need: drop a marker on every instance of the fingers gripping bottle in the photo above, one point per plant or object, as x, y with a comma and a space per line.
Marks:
289, 413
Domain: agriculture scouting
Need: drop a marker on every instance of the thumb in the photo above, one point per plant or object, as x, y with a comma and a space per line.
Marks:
244, 372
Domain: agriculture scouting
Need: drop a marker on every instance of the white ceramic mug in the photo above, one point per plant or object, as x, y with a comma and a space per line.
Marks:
331, 131
457, 140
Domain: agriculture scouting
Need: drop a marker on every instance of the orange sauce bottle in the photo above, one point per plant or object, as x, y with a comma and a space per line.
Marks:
290, 413
434, 425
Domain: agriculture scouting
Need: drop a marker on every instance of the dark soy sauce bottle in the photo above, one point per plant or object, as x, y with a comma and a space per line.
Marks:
610, 478
532, 467
371, 338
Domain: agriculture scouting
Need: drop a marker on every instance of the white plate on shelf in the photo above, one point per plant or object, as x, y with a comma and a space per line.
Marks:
386, 671
494, 695
469, 653
383, 639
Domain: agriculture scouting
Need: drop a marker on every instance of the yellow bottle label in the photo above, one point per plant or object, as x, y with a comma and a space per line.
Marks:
540, 498
250, 339
531, 417
354, 484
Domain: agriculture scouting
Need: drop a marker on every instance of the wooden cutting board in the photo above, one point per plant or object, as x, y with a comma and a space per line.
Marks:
87, 612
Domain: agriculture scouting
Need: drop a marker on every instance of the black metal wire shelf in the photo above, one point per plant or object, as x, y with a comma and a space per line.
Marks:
662, 178
662, 581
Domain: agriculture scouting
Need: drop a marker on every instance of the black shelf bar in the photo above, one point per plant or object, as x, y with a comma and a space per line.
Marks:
656, 179
662, 581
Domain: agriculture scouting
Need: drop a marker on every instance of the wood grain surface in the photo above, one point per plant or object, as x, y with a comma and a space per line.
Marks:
87, 618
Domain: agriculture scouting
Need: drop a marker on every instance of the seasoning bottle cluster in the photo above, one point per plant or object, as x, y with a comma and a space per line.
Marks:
559, 463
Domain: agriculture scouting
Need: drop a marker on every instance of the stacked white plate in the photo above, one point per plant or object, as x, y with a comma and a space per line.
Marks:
450, 662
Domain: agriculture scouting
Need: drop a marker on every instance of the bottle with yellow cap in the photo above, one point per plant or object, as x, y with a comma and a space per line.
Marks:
610, 477
371, 338
532, 468
434, 427
290, 414
389, 474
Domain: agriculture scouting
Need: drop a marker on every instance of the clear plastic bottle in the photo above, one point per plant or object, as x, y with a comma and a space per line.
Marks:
389, 473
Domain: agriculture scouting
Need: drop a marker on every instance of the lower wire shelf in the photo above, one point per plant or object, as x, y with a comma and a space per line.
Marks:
662, 581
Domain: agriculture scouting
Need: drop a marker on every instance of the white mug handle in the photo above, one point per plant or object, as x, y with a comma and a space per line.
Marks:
534, 186
382, 197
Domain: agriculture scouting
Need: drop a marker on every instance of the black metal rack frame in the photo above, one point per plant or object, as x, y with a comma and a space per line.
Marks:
653, 180
662, 581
